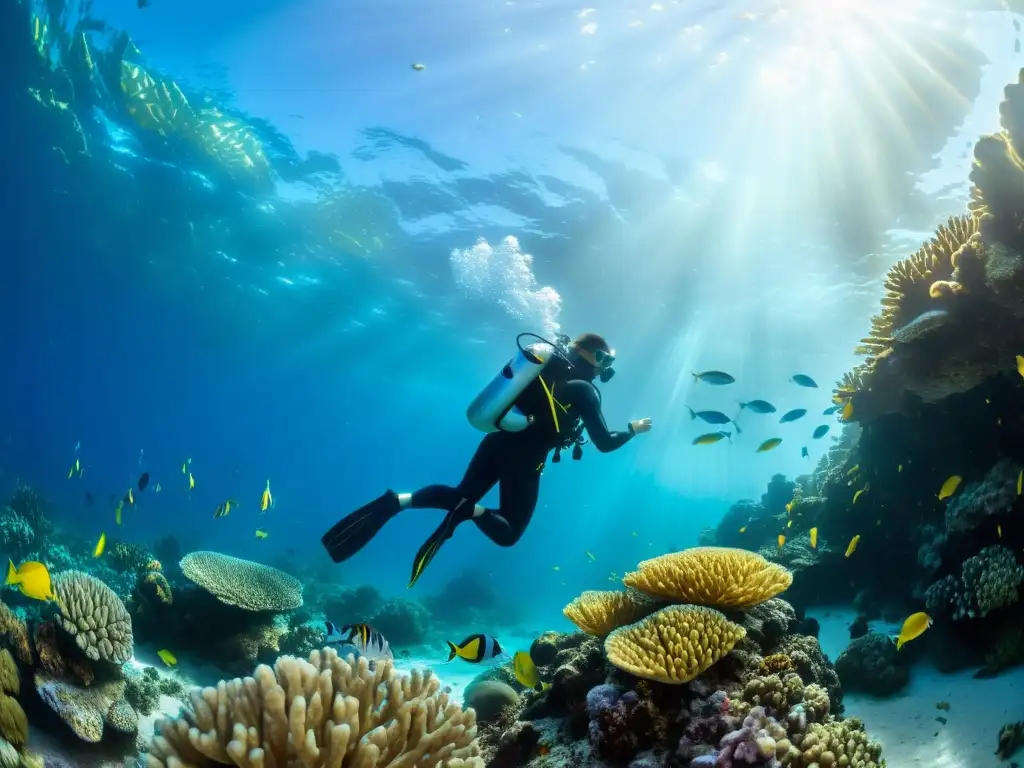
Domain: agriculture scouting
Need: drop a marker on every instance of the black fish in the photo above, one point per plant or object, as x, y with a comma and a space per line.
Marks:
143, 481
803, 453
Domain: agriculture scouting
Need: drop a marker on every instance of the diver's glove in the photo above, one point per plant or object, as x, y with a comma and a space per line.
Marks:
639, 426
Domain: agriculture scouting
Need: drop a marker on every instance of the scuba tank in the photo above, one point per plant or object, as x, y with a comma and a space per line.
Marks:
494, 409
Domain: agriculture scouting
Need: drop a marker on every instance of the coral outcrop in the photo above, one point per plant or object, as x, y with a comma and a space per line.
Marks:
242, 583
94, 615
873, 665
599, 612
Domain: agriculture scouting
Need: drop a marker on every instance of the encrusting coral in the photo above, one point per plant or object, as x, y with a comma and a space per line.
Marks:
714, 576
673, 645
599, 612
242, 583
326, 712
94, 615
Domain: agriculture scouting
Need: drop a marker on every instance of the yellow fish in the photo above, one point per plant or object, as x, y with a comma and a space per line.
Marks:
185, 465
858, 493
224, 509
789, 524
847, 413
913, 627
261, 534
100, 545
949, 487
117, 511
526, 672
266, 501
592, 558
167, 657
710, 438
814, 538
790, 505
899, 468
129, 497
556, 567
1020, 365
852, 546
743, 529
32, 579
1020, 482
852, 469
76, 468
769, 444
999, 530
191, 482
782, 540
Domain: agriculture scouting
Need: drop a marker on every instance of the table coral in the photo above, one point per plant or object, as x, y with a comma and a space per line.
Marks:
598, 612
243, 583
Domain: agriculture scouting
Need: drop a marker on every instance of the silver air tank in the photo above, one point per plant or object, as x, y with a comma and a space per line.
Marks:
493, 410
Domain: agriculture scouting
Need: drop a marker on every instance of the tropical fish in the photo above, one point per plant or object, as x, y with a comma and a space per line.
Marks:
789, 523
143, 481
852, 546
76, 469
940, 718
1020, 482
261, 533
820, 432
185, 465
117, 511
804, 381
591, 556
913, 627
167, 657
191, 481
419, 67
526, 672
711, 437
803, 453
782, 540
790, 506
475, 648
999, 530
857, 494
796, 413
830, 410
157, 489
32, 579
1020, 364
635, 534
943, 705
267, 501
847, 414
364, 638
852, 469
814, 538
711, 417
224, 509
767, 445
899, 467
949, 487
758, 406
100, 545
129, 496
718, 378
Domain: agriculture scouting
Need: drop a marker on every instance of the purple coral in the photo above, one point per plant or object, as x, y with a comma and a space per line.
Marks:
754, 743
600, 698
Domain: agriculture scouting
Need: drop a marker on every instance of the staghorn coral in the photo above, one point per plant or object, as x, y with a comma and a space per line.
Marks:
716, 576
243, 583
317, 713
84, 709
95, 616
987, 581
995, 495
598, 612
673, 645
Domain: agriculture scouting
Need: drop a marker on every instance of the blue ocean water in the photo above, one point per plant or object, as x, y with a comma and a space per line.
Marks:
710, 186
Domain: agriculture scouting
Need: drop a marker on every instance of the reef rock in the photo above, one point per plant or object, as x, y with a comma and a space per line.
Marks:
871, 664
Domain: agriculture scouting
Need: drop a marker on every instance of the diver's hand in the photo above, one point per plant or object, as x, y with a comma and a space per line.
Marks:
639, 426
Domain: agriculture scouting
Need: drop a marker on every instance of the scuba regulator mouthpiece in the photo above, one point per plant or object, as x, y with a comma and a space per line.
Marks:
606, 375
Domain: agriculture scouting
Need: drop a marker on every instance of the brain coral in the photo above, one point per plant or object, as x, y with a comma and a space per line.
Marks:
673, 645
319, 713
94, 614
243, 583
716, 576
598, 613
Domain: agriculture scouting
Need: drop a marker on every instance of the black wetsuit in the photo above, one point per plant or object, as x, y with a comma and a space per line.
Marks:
514, 460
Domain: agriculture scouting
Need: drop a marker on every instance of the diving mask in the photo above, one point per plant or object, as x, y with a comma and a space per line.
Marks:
602, 360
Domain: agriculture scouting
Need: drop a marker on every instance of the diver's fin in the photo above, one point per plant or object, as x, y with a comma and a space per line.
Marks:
431, 546
352, 533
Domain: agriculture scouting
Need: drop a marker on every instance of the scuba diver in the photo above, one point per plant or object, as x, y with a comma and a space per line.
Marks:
541, 400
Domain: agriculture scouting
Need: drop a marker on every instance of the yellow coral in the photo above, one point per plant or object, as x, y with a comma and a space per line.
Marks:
717, 576
13, 723
326, 711
94, 615
839, 743
673, 645
776, 662
598, 613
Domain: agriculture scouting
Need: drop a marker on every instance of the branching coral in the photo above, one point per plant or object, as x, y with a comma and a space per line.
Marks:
599, 612
320, 713
248, 585
92, 613
673, 645
716, 576
987, 581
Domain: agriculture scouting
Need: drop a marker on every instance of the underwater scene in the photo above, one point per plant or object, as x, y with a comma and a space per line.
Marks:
500, 383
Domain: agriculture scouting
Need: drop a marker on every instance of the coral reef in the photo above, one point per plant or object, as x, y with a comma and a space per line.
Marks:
242, 583
326, 711
988, 581
95, 616
980, 501
599, 612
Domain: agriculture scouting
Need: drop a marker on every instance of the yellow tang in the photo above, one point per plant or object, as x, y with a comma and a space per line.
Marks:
526, 672
852, 546
782, 540
167, 657
949, 487
1020, 365
999, 530
767, 445
191, 482
266, 501
100, 545
913, 627
858, 493
847, 413
789, 523
743, 529
853, 469
814, 538
32, 579
261, 533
